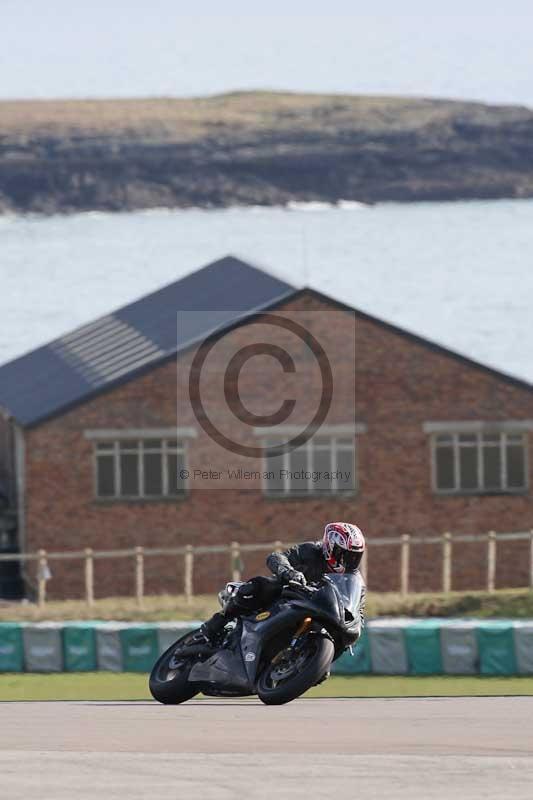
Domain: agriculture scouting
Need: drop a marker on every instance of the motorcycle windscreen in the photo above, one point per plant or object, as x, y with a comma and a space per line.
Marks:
350, 587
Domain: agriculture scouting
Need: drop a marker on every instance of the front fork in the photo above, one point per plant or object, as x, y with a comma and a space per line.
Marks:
302, 628
300, 632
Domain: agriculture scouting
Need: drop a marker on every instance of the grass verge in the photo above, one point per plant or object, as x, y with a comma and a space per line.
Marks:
156, 608
128, 686
504, 603
509, 603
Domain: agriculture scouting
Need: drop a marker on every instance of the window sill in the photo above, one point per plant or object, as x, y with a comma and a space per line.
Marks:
139, 501
311, 496
503, 493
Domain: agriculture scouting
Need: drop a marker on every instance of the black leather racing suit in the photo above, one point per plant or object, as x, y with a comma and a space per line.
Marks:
261, 592
307, 557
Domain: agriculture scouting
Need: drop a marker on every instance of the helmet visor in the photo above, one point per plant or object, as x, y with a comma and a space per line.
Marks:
347, 558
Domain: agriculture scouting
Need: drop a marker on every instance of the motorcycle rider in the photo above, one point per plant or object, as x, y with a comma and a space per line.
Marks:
340, 550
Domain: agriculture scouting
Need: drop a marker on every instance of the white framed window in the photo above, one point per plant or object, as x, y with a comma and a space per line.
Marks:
139, 468
323, 466
483, 461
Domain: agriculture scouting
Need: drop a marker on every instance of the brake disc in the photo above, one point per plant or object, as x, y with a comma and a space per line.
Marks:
176, 661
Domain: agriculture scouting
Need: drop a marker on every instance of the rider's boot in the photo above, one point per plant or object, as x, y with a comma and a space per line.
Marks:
210, 630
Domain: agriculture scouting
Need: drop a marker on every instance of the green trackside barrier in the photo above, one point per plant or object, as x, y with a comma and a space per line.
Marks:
496, 648
357, 664
79, 647
11, 647
140, 648
422, 640
393, 646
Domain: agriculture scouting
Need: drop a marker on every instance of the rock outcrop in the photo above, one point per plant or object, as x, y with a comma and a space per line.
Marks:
258, 148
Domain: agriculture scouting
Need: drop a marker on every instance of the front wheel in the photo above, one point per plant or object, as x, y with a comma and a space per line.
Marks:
169, 679
293, 672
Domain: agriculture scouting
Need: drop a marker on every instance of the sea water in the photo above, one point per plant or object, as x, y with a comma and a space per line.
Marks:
460, 274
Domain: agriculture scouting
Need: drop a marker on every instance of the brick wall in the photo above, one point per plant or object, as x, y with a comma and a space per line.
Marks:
399, 385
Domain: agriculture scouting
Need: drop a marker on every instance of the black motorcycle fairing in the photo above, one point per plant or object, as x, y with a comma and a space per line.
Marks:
225, 668
234, 668
349, 587
337, 596
323, 604
335, 601
258, 634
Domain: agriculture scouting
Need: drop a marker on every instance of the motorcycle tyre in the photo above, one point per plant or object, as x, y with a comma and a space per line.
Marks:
174, 691
304, 680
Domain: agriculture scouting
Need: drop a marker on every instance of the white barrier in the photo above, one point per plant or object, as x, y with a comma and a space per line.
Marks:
459, 648
523, 638
109, 647
43, 647
387, 647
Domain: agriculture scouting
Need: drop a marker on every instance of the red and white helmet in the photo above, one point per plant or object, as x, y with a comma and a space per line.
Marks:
343, 545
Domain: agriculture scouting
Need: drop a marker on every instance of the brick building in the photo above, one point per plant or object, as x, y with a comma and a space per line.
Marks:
105, 444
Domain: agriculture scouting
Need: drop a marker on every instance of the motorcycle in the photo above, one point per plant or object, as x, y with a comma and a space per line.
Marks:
276, 653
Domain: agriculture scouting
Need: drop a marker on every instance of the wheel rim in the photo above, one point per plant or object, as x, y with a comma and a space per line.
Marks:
172, 666
289, 663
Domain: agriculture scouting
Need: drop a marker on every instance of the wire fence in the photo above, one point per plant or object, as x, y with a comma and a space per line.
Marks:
234, 552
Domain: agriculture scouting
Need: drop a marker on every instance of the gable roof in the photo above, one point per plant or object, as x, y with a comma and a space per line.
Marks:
118, 346
115, 347
416, 338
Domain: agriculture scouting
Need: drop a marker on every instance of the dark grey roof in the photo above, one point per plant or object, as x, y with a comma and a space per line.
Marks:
94, 357
116, 347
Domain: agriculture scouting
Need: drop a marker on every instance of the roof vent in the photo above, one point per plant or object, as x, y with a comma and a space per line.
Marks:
106, 349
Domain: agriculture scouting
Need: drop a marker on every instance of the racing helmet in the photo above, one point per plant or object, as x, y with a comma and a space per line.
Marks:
343, 545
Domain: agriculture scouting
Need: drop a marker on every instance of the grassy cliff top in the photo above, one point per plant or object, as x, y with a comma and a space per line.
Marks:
244, 112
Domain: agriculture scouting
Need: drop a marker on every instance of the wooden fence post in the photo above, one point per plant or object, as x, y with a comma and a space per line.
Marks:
236, 565
187, 579
447, 562
531, 560
89, 577
404, 564
491, 562
43, 574
278, 546
139, 575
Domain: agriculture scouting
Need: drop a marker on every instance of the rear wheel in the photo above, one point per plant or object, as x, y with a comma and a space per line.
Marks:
293, 671
169, 679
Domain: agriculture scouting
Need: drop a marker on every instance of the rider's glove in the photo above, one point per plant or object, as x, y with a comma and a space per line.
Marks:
293, 575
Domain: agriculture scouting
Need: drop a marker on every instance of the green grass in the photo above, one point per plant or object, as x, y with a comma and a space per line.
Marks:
508, 603
156, 608
128, 686
504, 603
75, 686
186, 119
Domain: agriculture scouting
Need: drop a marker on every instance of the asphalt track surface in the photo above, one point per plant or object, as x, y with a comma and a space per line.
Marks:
421, 749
